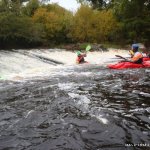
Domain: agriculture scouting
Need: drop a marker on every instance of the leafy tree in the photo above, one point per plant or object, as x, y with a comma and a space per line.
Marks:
55, 21
13, 6
4, 5
134, 14
106, 25
16, 30
93, 26
133, 17
97, 4
81, 29
31, 7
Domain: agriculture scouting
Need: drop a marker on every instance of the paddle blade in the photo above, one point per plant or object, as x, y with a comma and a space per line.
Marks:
88, 48
120, 56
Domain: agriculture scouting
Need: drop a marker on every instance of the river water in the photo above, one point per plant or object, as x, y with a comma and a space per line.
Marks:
47, 105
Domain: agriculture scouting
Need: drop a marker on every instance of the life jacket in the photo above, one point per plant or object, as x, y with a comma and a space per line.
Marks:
137, 58
80, 59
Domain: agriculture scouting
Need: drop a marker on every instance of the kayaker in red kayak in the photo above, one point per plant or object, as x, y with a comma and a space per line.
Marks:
80, 57
136, 56
136, 61
144, 53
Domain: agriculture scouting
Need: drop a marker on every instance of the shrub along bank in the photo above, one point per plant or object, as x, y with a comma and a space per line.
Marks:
36, 24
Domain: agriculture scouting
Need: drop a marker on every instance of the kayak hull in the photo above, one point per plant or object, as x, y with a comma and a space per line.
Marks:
146, 59
126, 65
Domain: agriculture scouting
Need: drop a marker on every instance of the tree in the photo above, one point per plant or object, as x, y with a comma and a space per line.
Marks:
93, 26
31, 7
81, 29
18, 30
97, 4
55, 20
106, 25
134, 14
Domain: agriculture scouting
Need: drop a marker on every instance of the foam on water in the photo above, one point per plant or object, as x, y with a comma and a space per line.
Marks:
21, 64
72, 106
100, 118
83, 101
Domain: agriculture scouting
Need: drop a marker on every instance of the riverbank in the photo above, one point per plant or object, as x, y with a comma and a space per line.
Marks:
71, 46
102, 47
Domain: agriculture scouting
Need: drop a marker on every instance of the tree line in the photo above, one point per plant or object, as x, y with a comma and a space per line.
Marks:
96, 21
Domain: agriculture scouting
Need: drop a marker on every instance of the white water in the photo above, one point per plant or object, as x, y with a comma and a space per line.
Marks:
83, 105
17, 66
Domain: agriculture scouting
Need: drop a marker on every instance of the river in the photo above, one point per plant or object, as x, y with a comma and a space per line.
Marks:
47, 102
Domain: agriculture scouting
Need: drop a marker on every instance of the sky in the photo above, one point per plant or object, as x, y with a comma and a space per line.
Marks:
71, 5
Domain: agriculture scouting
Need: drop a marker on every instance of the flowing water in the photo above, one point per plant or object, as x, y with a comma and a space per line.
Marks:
47, 105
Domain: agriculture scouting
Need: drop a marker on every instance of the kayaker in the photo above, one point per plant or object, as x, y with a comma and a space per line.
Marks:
80, 57
136, 56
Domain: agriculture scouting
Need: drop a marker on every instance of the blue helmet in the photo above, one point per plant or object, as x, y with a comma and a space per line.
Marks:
135, 47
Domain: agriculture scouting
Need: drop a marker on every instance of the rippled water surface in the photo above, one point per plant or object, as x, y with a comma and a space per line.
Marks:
85, 107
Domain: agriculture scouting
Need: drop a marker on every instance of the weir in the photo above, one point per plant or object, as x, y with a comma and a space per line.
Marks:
42, 61
22, 62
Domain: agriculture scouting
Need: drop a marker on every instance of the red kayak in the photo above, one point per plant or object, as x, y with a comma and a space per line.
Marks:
146, 58
125, 65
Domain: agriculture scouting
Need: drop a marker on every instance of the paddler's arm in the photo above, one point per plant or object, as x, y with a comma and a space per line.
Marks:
136, 57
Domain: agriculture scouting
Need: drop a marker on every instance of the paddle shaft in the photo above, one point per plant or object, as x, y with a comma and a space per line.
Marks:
122, 57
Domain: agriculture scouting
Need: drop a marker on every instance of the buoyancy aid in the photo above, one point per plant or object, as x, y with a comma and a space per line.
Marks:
80, 59
137, 58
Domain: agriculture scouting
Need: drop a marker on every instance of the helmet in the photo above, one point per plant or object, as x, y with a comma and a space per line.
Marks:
135, 47
78, 53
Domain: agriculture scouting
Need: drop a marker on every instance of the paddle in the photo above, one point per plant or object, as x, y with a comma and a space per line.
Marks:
122, 57
88, 48
125, 59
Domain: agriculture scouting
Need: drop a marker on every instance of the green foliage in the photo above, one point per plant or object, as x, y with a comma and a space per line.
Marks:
106, 25
55, 20
31, 7
97, 21
33, 24
4, 6
17, 30
82, 25
10, 6
134, 15
92, 26
96, 4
